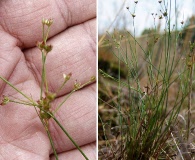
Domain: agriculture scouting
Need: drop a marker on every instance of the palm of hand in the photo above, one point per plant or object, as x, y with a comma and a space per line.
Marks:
22, 135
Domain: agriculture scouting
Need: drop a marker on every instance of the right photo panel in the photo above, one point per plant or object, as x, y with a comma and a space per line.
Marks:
146, 80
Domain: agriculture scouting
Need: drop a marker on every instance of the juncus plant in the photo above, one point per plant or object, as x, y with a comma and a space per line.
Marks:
43, 106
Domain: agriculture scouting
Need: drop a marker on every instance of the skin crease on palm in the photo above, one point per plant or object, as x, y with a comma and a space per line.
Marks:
73, 36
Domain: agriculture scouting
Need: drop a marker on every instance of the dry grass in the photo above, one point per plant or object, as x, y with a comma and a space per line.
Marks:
111, 144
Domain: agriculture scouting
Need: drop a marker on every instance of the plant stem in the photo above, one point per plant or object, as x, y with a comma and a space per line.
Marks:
47, 34
63, 101
51, 141
23, 103
48, 133
43, 79
71, 139
18, 90
43, 30
76, 145
85, 84
190, 97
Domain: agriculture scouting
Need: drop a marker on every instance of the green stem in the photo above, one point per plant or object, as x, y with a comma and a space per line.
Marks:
49, 135
75, 144
42, 76
190, 97
63, 101
59, 89
43, 28
46, 84
18, 90
43, 79
85, 84
70, 137
51, 141
23, 103
47, 34
104, 74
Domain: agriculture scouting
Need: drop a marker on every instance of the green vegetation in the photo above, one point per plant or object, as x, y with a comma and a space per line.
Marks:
43, 106
145, 106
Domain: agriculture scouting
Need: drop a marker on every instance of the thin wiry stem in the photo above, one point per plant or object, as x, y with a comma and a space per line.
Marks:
43, 70
51, 142
63, 101
74, 90
177, 146
49, 135
190, 97
28, 98
71, 139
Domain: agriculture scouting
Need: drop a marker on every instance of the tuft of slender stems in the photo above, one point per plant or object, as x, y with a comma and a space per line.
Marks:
137, 88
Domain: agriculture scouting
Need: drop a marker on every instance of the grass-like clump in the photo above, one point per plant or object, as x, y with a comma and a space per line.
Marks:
148, 113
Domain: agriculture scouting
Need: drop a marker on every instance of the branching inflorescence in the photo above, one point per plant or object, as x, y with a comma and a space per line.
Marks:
43, 106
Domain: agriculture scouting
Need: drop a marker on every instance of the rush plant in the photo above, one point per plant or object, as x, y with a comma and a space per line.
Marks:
146, 116
43, 106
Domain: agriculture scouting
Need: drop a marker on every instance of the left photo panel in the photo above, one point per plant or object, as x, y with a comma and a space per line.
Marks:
48, 77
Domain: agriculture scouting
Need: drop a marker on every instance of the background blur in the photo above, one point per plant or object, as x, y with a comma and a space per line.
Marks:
108, 10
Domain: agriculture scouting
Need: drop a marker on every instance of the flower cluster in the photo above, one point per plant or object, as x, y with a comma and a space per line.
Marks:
43, 45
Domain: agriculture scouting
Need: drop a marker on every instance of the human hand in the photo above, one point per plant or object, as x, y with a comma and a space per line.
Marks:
73, 36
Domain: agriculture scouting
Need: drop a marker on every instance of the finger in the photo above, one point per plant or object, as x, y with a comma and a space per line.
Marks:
10, 55
73, 51
19, 142
22, 136
89, 150
78, 117
22, 18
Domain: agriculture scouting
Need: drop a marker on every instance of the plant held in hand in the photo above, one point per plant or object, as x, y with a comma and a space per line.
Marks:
43, 106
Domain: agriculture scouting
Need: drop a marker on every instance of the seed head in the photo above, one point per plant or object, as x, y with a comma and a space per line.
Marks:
5, 100
43, 46
50, 96
133, 15
67, 77
165, 14
48, 48
160, 17
47, 22
77, 85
